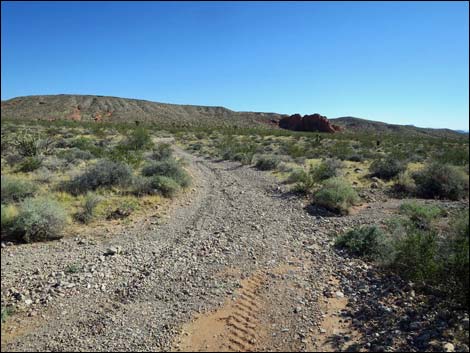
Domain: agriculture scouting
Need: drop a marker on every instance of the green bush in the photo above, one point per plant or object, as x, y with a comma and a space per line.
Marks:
162, 151
86, 144
104, 173
165, 185
416, 255
142, 186
14, 190
367, 241
441, 181
305, 183
139, 139
74, 154
8, 219
297, 175
169, 168
421, 215
88, 208
327, 169
31, 145
387, 168
404, 184
267, 162
39, 219
458, 257
29, 164
336, 195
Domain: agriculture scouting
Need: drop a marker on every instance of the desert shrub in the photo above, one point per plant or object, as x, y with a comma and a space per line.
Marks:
13, 158
9, 214
452, 155
329, 168
285, 168
125, 208
6, 311
295, 150
104, 173
14, 190
296, 175
39, 219
142, 186
161, 151
122, 154
169, 168
458, 257
242, 157
304, 179
230, 149
88, 208
336, 195
86, 144
421, 215
31, 145
165, 185
404, 184
441, 181
29, 164
416, 255
75, 154
355, 157
139, 139
387, 168
267, 162
367, 241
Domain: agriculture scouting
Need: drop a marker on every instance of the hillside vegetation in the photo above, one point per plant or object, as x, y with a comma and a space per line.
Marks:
118, 110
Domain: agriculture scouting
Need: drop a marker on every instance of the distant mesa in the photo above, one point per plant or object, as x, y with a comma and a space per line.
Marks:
314, 122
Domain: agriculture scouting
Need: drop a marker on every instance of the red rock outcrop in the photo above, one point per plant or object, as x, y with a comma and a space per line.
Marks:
314, 122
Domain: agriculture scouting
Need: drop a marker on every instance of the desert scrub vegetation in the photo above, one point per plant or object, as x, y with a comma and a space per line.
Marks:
441, 181
86, 173
104, 174
387, 168
367, 241
39, 219
15, 189
169, 168
89, 204
336, 195
267, 162
416, 246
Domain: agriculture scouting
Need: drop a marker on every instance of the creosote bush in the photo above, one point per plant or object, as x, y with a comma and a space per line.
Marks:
267, 162
420, 215
329, 168
441, 181
387, 168
367, 241
426, 255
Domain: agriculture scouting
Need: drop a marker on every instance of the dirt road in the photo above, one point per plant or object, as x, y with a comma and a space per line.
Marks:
236, 265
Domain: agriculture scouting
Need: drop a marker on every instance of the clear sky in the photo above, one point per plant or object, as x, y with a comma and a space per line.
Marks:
398, 62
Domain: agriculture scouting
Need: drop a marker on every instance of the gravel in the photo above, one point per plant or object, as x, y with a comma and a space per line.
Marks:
133, 291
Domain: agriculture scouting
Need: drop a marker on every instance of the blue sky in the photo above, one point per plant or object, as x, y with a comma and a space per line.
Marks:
398, 62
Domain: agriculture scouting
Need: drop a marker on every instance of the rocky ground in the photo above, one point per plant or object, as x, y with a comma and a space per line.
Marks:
238, 264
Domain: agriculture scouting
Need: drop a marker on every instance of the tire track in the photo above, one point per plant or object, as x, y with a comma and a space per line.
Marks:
235, 327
